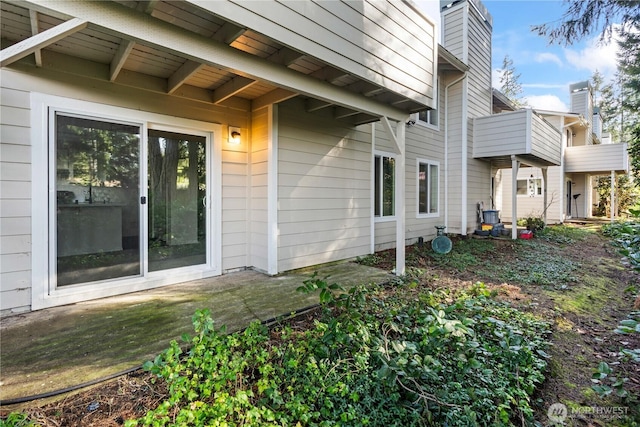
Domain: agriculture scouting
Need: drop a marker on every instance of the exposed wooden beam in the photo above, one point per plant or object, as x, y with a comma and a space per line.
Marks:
342, 112
313, 104
120, 58
93, 74
228, 33
273, 97
363, 119
35, 29
124, 22
182, 74
231, 87
26, 47
366, 88
285, 56
329, 74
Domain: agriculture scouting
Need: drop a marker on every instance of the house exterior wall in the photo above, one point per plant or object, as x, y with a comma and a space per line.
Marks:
454, 28
16, 216
581, 183
384, 42
422, 142
533, 206
15, 195
582, 103
261, 122
324, 188
479, 104
453, 164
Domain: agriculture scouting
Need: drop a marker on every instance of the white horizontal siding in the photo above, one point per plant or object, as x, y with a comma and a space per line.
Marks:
479, 60
597, 158
516, 133
534, 206
454, 173
15, 199
500, 134
16, 169
258, 251
454, 27
324, 176
546, 140
388, 43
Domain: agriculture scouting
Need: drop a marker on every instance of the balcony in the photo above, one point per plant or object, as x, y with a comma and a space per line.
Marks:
522, 133
366, 59
596, 159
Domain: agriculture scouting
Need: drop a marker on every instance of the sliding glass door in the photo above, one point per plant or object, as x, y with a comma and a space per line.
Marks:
97, 175
126, 204
177, 170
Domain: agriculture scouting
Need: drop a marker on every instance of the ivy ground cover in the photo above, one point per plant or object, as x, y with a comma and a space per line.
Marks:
399, 355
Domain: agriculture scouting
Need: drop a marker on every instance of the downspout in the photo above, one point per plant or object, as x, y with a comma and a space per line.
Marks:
464, 164
446, 147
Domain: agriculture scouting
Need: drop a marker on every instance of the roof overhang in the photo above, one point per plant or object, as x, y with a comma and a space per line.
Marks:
447, 61
246, 77
501, 101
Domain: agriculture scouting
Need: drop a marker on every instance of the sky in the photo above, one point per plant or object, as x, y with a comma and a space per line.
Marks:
546, 71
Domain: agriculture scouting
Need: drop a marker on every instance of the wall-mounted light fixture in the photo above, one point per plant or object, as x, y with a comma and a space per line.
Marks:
234, 135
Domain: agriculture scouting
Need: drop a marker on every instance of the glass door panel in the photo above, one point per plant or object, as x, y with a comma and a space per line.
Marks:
177, 197
97, 199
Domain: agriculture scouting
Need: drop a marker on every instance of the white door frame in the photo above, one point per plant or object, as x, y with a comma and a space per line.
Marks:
43, 295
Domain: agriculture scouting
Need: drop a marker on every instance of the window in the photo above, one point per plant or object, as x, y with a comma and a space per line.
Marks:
384, 182
428, 117
428, 187
530, 187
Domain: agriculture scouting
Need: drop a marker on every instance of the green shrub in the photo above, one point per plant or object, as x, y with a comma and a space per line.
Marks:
399, 356
17, 419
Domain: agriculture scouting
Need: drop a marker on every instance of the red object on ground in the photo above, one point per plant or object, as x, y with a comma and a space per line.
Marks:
526, 235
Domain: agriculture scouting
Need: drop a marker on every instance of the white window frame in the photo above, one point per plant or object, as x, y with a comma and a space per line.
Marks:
44, 293
532, 184
381, 155
430, 164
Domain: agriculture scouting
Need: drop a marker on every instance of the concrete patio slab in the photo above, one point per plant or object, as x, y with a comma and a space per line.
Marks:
57, 348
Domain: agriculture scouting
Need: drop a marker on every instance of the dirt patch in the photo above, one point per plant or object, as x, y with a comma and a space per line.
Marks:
585, 303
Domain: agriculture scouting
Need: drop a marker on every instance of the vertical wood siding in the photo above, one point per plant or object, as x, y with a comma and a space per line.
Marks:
324, 179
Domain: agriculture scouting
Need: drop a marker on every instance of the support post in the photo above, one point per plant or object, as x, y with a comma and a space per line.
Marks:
398, 138
613, 196
544, 195
515, 167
